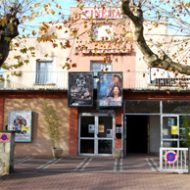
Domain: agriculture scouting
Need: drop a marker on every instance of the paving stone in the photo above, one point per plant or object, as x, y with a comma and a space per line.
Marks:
130, 173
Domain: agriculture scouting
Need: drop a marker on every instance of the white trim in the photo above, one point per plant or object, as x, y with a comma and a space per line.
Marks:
180, 165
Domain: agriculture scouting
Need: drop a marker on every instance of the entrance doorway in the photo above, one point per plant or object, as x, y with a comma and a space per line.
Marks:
96, 134
137, 134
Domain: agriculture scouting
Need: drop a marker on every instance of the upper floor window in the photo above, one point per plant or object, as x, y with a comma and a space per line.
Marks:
101, 32
157, 73
163, 77
44, 74
98, 66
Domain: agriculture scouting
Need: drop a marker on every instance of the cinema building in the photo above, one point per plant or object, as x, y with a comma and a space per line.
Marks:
107, 101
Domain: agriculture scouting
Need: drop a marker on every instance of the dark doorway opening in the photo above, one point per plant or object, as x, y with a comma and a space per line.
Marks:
137, 134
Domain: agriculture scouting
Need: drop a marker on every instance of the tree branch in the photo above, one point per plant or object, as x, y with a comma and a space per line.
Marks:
135, 14
8, 30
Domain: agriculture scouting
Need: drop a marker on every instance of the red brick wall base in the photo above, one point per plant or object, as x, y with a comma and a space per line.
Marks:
73, 131
1, 113
118, 120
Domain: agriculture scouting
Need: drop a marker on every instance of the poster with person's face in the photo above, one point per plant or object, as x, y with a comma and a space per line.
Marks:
21, 123
110, 89
80, 89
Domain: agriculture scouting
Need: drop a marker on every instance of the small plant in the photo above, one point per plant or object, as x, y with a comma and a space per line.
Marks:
52, 121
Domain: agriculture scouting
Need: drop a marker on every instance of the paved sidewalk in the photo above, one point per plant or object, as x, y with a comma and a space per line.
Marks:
131, 173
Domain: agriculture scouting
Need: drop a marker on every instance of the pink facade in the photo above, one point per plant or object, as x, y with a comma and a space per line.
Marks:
119, 53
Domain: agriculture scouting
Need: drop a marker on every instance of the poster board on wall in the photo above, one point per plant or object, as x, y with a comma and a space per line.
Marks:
20, 121
80, 92
110, 89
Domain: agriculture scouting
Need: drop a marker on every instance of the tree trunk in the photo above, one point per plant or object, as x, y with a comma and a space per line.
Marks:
8, 30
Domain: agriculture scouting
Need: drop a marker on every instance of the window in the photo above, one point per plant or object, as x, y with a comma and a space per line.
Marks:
44, 72
142, 106
98, 67
176, 106
102, 32
159, 75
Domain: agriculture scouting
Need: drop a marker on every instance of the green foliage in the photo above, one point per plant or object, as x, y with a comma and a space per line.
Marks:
52, 120
185, 133
17, 14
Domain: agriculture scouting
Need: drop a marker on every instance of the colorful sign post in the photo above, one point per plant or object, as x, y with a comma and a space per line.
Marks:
170, 157
4, 138
6, 152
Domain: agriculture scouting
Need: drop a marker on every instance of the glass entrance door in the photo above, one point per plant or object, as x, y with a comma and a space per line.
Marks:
170, 131
104, 135
96, 134
87, 134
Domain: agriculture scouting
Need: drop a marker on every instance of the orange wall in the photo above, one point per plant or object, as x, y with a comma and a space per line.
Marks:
41, 141
33, 100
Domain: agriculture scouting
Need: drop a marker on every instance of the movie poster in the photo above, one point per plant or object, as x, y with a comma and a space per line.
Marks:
80, 89
110, 89
21, 123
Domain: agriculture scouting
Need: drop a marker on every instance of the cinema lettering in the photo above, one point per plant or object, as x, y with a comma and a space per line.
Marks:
101, 13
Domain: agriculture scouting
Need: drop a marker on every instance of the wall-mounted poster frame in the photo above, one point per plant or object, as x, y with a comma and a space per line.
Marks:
20, 121
110, 89
80, 89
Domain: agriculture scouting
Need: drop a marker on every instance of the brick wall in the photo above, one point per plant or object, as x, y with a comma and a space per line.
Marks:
1, 113
118, 120
73, 131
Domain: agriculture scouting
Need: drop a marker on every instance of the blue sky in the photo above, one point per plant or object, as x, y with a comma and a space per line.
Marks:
31, 25
66, 4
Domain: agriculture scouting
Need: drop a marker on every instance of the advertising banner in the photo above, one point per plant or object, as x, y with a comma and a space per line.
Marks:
21, 123
80, 89
110, 89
